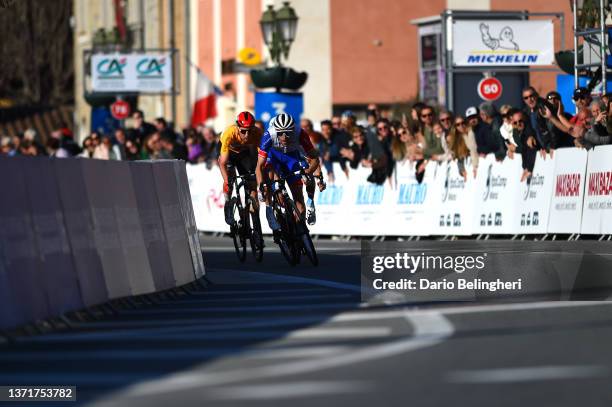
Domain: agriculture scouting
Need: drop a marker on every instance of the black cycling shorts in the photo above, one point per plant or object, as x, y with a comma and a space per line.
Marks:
244, 161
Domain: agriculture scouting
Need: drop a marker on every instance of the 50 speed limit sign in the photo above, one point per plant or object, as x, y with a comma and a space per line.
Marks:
489, 89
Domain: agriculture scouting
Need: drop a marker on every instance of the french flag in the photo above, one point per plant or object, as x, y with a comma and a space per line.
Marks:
205, 105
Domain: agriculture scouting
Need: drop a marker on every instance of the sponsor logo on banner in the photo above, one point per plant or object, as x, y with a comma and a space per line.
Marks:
111, 68
503, 43
597, 210
370, 194
150, 68
148, 73
331, 196
600, 183
565, 211
412, 194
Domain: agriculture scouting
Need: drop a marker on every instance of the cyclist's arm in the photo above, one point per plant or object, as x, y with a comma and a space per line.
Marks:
311, 152
223, 160
262, 155
261, 161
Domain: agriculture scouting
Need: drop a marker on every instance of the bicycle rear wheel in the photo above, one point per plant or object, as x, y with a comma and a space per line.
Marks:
309, 249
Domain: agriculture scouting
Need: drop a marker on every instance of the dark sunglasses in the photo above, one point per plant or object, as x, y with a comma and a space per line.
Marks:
285, 134
517, 122
427, 115
383, 128
580, 97
459, 123
531, 96
244, 131
445, 119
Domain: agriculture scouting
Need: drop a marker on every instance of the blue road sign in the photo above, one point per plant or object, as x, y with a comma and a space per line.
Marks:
268, 105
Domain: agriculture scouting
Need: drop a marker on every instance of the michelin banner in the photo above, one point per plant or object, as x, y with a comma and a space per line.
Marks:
503, 43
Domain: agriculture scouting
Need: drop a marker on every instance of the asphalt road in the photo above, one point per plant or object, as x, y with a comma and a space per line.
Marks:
270, 334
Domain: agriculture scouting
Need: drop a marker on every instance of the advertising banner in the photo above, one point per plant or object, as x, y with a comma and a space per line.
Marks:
536, 193
331, 204
597, 208
503, 42
497, 191
143, 73
453, 211
568, 191
411, 201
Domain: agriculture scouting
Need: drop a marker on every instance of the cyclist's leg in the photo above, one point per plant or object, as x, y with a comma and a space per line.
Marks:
269, 174
228, 209
246, 166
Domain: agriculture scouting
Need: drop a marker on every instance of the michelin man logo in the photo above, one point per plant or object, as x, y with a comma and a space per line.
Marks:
505, 40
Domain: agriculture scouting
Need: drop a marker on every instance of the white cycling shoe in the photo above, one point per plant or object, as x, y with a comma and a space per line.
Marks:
311, 215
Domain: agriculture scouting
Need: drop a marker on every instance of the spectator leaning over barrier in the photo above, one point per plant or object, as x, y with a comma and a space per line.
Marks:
6, 147
441, 135
211, 146
161, 125
358, 148
433, 142
348, 123
132, 150
314, 136
582, 99
141, 129
104, 151
332, 140
88, 148
446, 120
458, 147
560, 137
535, 111
28, 148
336, 122
30, 134
527, 146
485, 123
506, 131
598, 134
463, 129
380, 153
119, 144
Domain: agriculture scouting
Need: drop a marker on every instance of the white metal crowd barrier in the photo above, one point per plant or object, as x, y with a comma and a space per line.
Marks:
79, 232
568, 193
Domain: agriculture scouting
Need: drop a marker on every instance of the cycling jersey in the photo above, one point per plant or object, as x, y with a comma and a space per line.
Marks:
232, 142
287, 158
298, 141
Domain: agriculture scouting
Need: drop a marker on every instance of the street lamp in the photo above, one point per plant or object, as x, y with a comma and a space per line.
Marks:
278, 29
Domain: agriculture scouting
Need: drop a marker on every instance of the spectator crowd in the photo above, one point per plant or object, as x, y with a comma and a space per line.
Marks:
382, 141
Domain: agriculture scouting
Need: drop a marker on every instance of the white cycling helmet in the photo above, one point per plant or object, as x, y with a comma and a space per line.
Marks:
283, 122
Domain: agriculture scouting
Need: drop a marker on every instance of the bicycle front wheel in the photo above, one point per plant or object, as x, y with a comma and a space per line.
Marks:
237, 233
255, 234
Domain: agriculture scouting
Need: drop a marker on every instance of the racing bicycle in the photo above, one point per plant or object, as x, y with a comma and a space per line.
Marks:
294, 238
246, 225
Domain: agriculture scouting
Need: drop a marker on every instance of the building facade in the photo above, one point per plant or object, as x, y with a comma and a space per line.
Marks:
356, 52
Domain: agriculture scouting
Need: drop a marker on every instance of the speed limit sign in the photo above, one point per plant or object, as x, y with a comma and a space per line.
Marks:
489, 89
120, 110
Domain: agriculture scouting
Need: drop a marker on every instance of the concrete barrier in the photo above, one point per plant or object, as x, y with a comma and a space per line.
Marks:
78, 232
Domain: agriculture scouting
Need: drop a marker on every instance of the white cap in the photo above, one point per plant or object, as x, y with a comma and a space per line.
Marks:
471, 111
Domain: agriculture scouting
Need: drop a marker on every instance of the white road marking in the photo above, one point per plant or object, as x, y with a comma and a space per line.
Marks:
332, 332
433, 328
527, 374
288, 390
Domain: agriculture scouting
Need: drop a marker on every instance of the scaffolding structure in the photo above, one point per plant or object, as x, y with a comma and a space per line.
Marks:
591, 42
